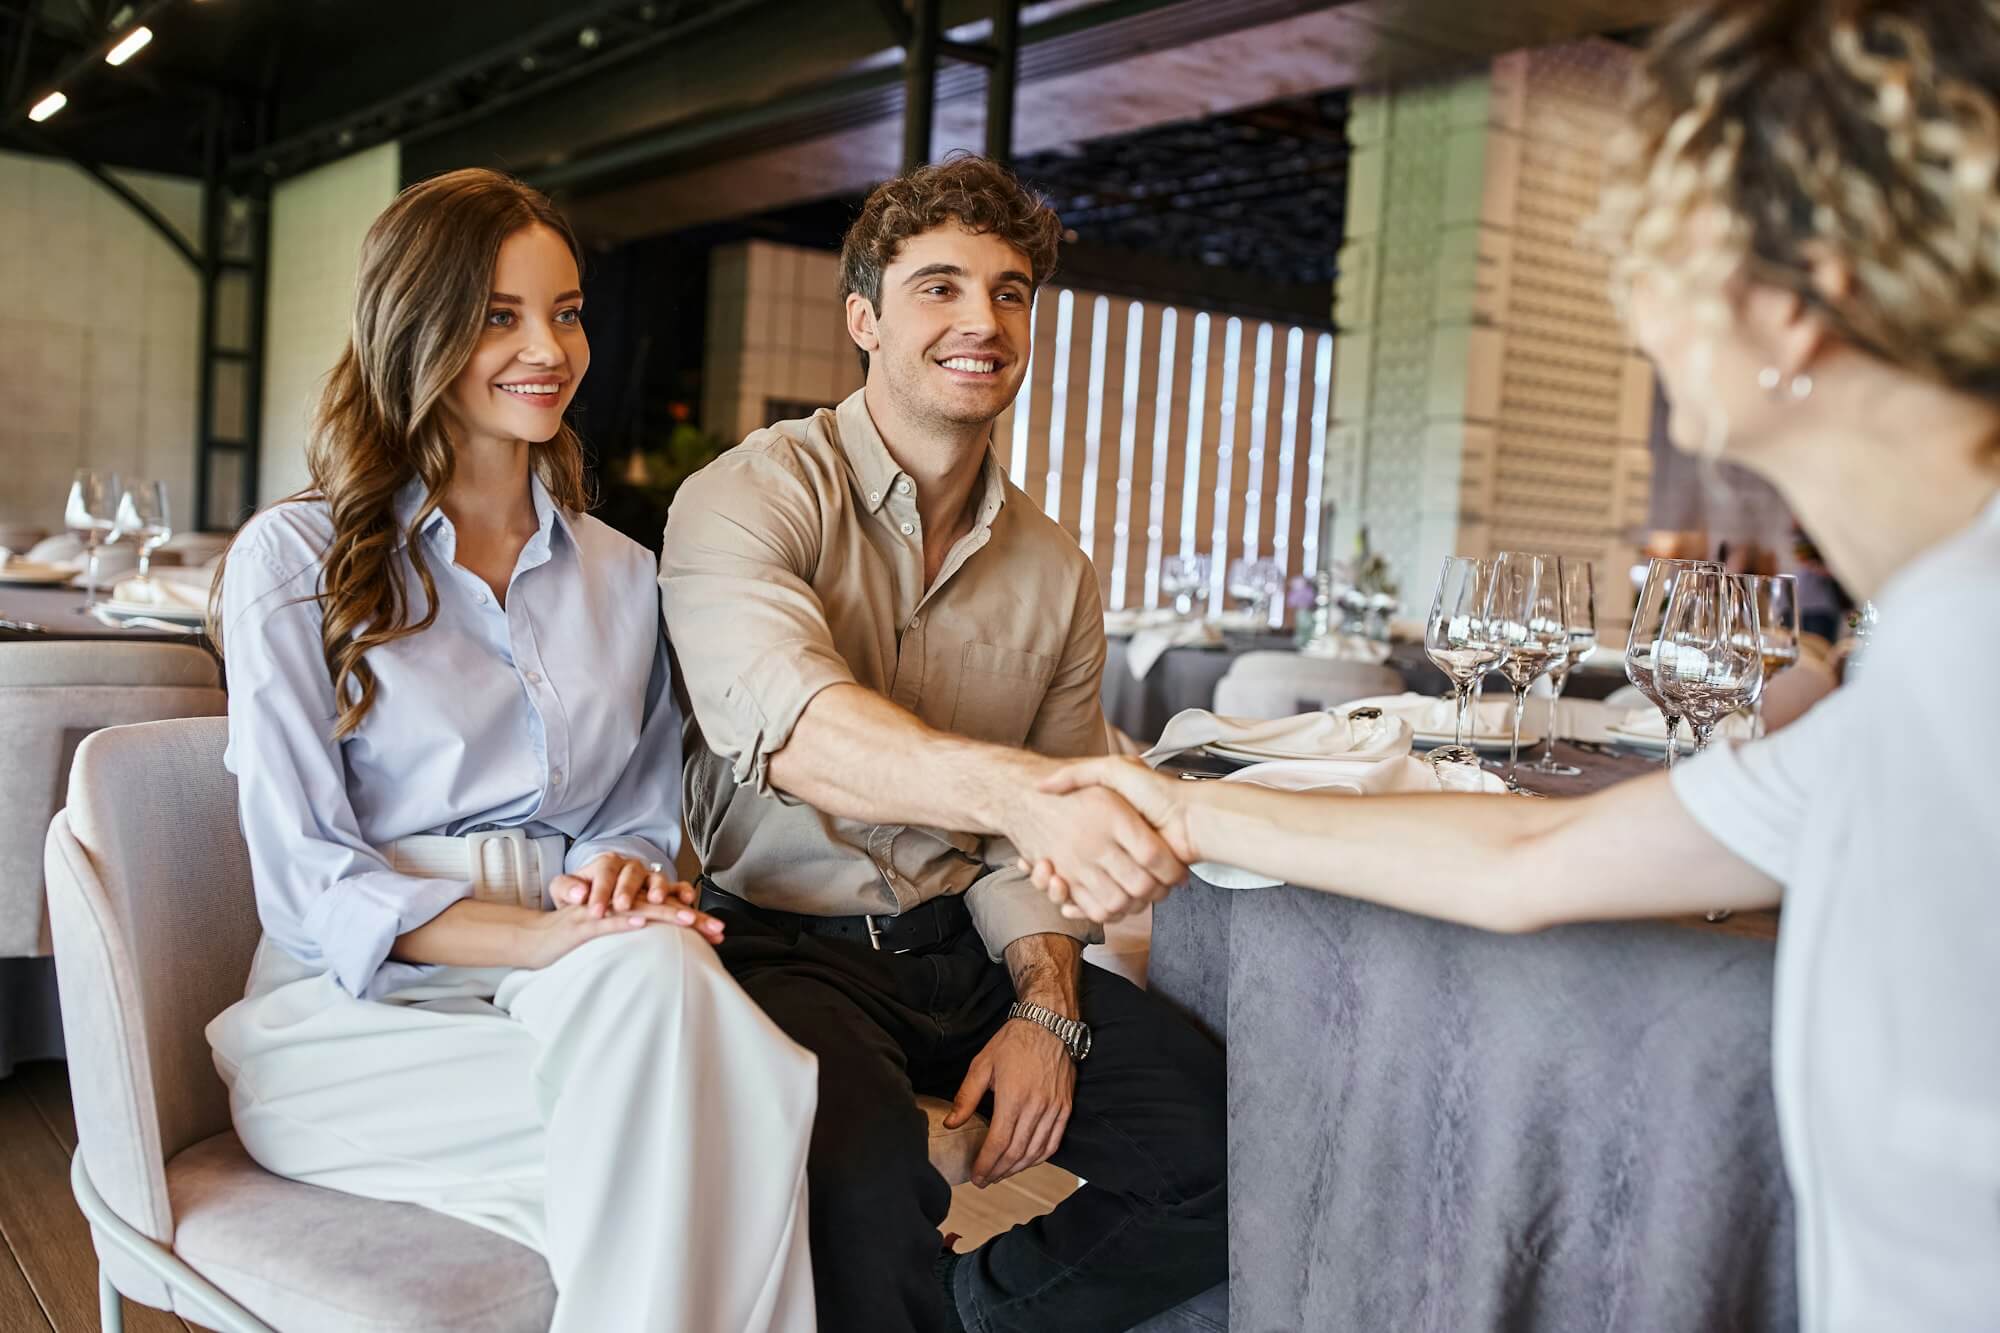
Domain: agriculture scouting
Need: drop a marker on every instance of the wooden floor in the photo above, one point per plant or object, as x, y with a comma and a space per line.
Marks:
48, 1272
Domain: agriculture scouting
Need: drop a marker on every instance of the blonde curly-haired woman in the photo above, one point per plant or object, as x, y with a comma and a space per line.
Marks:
1809, 227
459, 763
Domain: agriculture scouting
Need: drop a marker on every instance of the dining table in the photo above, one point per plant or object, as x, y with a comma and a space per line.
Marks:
44, 612
1186, 677
1439, 1129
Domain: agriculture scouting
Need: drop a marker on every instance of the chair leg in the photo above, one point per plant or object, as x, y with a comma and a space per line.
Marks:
110, 1305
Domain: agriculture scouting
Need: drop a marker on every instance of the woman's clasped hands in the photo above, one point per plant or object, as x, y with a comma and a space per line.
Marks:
613, 893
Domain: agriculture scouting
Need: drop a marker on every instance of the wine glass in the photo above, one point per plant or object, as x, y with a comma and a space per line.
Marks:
1579, 594
1181, 577
91, 513
1257, 583
1710, 660
1649, 614
142, 512
1777, 602
1456, 637
1527, 622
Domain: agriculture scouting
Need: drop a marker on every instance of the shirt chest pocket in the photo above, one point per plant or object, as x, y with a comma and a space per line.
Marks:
999, 692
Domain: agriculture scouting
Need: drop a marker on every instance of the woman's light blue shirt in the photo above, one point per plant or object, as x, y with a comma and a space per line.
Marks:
552, 715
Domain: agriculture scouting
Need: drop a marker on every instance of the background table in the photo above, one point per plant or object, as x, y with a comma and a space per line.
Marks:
55, 610
1186, 678
1435, 1128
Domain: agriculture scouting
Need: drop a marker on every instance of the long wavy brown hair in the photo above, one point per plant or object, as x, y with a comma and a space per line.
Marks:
420, 301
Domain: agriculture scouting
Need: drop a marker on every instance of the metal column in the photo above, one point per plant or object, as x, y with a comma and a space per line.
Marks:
1000, 80
920, 57
235, 225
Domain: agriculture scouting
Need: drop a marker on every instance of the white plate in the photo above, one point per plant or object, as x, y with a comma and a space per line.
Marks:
180, 615
21, 571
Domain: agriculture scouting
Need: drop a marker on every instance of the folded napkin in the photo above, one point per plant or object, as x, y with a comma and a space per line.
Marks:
1148, 646
1492, 719
1134, 618
104, 617
1649, 723
1319, 735
167, 588
1347, 648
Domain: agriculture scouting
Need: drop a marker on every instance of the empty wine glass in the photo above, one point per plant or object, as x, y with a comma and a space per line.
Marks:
1649, 613
1256, 583
1709, 661
1579, 594
142, 513
91, 514
1456, 637
1181, 577
1777, 602
1527, 622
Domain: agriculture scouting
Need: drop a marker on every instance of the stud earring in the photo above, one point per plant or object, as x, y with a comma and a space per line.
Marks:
1769, 378
1802, 387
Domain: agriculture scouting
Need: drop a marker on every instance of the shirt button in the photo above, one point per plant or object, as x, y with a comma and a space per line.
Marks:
903, 487
555, 775
909, 528
916, 622
481, 598
874, 497
534, 677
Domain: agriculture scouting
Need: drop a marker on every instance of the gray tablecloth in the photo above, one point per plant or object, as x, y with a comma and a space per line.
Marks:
1436, 1129
1186, 678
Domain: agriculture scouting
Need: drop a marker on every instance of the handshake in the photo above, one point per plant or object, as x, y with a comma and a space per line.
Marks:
1102, 837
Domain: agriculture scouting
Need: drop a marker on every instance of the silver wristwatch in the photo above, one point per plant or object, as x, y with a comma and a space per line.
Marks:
1073, 1033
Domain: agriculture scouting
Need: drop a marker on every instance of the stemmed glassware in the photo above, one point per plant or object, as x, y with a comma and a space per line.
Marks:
1456, 637
92, 514
1183, 576
142, 513
1710, 660
1579, 597
1649, 615
1527, 622
1257, 583
1776, 597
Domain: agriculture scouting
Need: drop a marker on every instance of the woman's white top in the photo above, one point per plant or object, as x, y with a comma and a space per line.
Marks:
1879, 811
553, 715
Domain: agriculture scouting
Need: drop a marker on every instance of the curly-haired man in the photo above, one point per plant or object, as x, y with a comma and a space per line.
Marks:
887, 646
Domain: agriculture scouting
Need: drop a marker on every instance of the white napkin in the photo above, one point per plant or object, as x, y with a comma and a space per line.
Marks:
1148, 646
1492, 719
1649, 723
1347, 648
1382, 777
1319, 735
1134, 618
104, 617
167, 588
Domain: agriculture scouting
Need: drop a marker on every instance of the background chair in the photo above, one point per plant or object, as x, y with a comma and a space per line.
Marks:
1274, 684
154, 924
51, 696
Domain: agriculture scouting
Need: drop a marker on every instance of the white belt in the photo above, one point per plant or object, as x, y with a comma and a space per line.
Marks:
505, 865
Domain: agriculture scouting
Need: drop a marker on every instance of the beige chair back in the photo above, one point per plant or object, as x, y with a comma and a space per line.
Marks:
1273, 684
155, 922
52, 695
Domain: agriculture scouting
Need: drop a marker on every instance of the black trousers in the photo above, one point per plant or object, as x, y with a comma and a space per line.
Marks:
1146, 1132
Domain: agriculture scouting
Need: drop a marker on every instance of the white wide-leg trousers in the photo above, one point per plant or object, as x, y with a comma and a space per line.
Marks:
628, 1112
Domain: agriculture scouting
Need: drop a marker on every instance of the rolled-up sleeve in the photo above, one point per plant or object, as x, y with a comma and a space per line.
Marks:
323, 894
1005, 904
742, 541
640, 818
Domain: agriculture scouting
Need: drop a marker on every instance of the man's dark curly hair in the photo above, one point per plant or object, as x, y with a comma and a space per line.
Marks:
975, 192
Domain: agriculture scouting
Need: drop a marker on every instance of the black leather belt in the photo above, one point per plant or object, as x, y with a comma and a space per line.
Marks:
932, 924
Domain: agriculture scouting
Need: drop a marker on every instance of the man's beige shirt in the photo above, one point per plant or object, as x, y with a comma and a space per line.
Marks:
796, 561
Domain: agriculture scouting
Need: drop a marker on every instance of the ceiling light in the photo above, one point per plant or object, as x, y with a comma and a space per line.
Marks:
134, 42
47, 107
